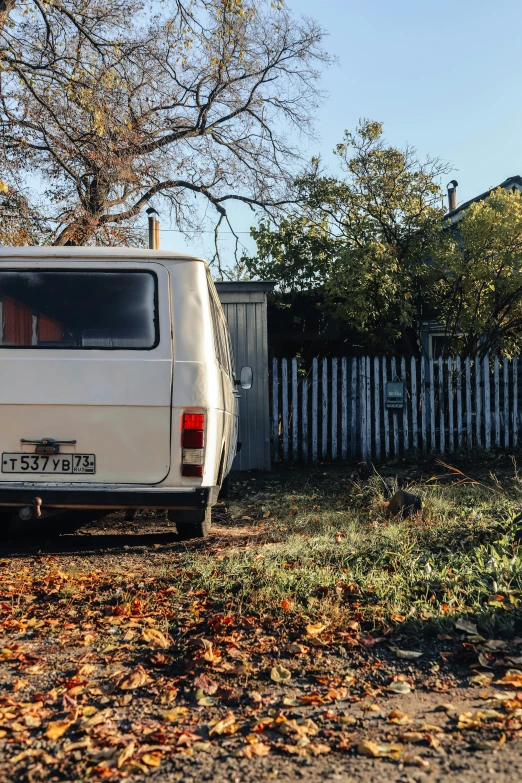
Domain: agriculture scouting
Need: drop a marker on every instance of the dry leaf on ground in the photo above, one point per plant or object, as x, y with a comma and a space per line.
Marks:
280, 674
57, 729
155, 638
376, 750
227, 725
407, 655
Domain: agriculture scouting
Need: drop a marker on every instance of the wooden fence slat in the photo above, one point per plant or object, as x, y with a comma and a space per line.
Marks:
443, 402
295, 412
324, 423
469, 412
353, 434
377, 404
451, 432
368, 410
344, 407
334, 409
505, 378
433, 444
487, 405
275, 407
515, 402
459, 403
385, 410
362, 403
405, 428
497, 401
414, 423
304, 419
315, 408
442, 433
395, 416
478, 402
284, 406
424, 412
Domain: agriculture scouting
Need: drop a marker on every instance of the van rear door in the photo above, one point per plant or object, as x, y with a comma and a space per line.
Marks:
86, 372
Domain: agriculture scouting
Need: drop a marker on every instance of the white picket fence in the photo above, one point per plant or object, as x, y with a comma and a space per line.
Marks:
337, 409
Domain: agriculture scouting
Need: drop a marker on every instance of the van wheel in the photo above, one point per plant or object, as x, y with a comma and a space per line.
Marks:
191, 524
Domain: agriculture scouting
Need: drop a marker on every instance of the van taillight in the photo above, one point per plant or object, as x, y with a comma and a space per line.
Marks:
193, 443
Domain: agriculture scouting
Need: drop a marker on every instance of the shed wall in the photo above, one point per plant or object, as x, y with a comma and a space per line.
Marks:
248, 330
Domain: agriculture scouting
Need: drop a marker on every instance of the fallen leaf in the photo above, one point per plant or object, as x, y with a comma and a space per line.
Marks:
205, 684
412, 736
399, 687
337, 694
175, 714
374, 750
227, 725
297, 649
280, 674
413, 760
151, 759
256, 749
400, 718
136, 679
57, 729
314, 629
513, 678
466, 625
155, 638
310, 749
86, 669
126, 754
495, 644
407, 655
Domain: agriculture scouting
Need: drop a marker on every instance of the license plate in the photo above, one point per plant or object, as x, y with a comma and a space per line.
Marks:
55, 463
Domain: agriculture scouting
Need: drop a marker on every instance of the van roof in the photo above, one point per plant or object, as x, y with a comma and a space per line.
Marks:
123, 253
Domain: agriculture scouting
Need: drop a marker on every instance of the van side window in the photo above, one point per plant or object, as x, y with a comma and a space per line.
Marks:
219, 336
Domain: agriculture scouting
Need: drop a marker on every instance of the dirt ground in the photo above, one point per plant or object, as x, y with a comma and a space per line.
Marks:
342, 695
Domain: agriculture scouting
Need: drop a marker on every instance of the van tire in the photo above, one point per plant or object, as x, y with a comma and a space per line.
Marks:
191, 524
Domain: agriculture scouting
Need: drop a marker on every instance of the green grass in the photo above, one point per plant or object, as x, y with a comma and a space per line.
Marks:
327, 549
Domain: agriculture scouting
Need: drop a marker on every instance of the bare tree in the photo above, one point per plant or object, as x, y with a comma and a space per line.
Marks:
111, 106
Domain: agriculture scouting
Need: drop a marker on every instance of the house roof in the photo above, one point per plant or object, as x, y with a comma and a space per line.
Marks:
509, 184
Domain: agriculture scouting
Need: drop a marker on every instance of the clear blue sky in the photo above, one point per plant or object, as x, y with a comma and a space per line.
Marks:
442, 76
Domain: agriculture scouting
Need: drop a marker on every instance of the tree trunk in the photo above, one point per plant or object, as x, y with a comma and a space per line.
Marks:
6, 6
75, 234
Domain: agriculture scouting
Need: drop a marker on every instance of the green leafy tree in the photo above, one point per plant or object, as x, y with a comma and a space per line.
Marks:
478, 264
360, 241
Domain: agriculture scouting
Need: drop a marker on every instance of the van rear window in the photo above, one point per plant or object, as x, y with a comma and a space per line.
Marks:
78, 309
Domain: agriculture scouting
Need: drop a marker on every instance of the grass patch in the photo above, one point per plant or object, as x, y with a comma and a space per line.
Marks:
328, 549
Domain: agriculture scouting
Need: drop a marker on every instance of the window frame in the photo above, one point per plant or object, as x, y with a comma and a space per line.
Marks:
75, 348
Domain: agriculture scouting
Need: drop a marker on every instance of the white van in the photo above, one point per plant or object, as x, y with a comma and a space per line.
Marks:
117, 384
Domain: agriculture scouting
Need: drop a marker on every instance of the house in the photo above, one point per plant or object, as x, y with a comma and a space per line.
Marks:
432, 332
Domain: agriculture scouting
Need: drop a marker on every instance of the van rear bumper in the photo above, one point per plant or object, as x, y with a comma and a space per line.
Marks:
56, 497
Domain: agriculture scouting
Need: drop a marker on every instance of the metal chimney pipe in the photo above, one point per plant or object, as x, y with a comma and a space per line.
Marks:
151, 232
154, 236
452, 195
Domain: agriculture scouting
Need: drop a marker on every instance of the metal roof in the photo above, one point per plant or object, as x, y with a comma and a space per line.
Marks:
508, 184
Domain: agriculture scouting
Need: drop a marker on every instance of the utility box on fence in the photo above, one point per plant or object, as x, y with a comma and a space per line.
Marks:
395, 394
244, 303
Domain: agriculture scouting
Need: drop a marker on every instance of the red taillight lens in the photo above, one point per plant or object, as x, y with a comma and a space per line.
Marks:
193, 421
193, 439
196, 471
